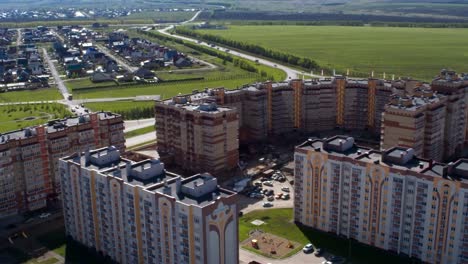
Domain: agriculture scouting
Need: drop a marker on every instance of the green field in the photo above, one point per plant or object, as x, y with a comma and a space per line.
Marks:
14, 117
280, 222
30, 96
415, 52
166, 90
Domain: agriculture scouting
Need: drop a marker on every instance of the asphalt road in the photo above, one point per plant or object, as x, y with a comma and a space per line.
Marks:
123, 63
133, 141
290, 72
131, 125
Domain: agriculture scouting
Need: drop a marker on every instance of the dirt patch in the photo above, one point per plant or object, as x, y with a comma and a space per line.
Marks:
270, 245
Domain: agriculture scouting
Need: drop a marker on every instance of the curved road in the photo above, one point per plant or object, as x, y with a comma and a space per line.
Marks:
290, 72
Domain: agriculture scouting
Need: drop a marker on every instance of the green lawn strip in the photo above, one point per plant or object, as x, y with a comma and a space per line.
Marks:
83, 83
280, 222
141, 145
13, 117
393, 50
45, 94
130, 110
47, 261
72, 251
140, 131
166, 90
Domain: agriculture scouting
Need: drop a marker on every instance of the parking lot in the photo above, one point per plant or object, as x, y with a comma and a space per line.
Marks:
248, 203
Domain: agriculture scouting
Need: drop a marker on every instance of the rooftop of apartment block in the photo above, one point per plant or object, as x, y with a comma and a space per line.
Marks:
449, 76
399, 158
455, 170
200, 190
421, 98
109, 162
196, 102
54, 126
396, 158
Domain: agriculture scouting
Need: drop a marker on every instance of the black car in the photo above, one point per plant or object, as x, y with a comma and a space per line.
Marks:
318, 252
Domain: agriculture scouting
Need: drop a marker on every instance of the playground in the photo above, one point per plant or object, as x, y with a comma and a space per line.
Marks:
270, 245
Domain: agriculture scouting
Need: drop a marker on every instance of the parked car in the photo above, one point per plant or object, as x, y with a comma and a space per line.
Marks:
270, 193
268, 183
309, 248
44, 215
257, 183
278, 196
318, 252
271, 198
285, 196
267, 204
285, 189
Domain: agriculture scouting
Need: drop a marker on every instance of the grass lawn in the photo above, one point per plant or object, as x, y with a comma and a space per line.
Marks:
130, 110
14, 117
416, 52
86, 82
46, 94
166, 90
140, 131
70, 250
280, 222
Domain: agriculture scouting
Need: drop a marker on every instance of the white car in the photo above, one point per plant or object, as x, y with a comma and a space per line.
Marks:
44, 215
268, 183
267, 204
309, 248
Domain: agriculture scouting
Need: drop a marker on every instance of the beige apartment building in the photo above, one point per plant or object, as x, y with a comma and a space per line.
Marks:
388, 199
29, 157
137, 212
455, 87
197, 135
416, 122
431, 118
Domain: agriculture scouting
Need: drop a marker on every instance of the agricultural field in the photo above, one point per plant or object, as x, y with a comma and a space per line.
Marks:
14, 117
47, 94
415, 52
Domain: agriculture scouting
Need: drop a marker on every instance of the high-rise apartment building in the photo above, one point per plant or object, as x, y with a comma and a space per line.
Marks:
29, 157
199, 136
137, 212
416, 122
415, 114
388, 199
455, 87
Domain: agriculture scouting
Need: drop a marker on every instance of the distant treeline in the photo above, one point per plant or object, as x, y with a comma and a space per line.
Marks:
252, 48
348, 23
283, 16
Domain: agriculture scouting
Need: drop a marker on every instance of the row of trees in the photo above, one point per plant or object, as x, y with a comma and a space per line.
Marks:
136, 113
252, 48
